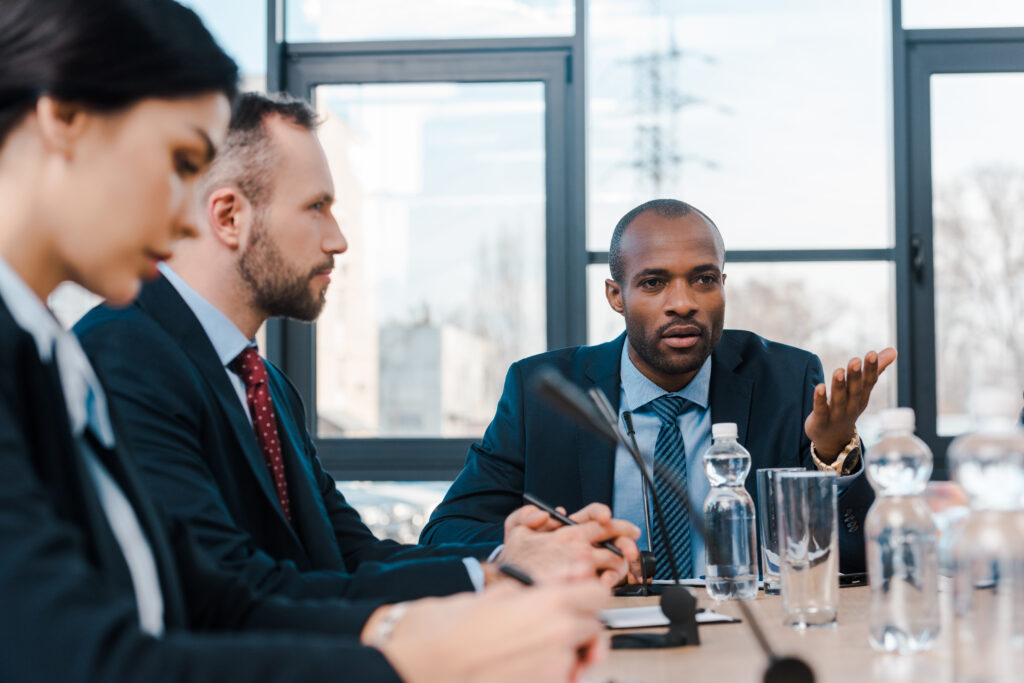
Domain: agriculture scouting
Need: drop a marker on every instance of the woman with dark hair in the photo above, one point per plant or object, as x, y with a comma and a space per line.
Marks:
109, 111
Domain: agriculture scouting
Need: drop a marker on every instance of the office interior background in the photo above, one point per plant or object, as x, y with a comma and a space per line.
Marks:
864, 160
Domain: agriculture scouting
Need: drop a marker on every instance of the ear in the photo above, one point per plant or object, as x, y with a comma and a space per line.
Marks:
60, 124
613, 292
229, 215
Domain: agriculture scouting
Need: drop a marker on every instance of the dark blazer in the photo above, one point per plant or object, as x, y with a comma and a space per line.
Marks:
764, 387
69, 612
200, 460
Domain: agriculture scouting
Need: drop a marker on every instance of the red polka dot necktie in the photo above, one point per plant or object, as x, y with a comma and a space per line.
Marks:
253, 372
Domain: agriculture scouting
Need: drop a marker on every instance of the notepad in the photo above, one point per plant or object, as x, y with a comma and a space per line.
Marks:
651, 615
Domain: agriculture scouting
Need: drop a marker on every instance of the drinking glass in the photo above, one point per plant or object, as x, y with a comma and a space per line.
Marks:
767, 521
806, 504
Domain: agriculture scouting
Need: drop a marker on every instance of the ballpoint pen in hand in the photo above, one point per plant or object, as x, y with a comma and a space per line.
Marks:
533, 500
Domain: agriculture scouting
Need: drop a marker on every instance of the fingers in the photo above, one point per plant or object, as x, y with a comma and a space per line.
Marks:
854, 378
870, 370
886, 357
596, 512
610, 568
628, 546
820, 409
593, 532
529, 516
839, 394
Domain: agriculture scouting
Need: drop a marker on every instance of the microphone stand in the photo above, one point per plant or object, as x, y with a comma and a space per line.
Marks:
677, 602
647, 560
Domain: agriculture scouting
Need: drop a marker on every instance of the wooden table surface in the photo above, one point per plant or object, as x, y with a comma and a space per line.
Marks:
729, 652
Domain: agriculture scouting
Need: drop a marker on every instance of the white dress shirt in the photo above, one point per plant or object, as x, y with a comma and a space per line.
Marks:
87, 409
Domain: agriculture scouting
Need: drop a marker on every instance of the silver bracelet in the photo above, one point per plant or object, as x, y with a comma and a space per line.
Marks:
387, 625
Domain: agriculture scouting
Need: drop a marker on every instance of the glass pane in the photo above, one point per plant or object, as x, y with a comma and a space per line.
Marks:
978, 210
240, 27
772, 117
441, 196
836, 310
394, 509
353, 20
960, 14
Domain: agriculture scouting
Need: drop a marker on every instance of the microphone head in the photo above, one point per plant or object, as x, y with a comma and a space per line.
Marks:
551, 385
678, 604
788, 670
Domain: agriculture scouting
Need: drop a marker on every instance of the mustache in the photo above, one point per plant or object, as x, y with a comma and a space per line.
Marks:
676, 323
326, 265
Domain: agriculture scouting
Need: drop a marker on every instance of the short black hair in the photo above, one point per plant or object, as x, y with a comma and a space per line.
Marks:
247, 157
105, 55
666, 208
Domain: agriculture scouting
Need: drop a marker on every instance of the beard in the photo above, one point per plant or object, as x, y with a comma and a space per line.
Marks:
277, 288
678, 363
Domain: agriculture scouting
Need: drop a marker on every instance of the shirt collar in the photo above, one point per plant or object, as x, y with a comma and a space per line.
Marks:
638, 390
228, 341
83, 394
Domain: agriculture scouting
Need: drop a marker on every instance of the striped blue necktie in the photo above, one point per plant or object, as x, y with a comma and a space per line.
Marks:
671, 453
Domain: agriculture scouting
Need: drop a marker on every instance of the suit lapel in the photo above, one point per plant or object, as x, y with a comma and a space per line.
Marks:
597, 456
163, 303
731, 393
308, 512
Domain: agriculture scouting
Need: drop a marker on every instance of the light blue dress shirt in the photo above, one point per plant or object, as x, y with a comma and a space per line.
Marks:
229, 341
695, 424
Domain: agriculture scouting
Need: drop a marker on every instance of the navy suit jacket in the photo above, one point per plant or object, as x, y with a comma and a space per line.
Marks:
69, 610
200, 459
764, 387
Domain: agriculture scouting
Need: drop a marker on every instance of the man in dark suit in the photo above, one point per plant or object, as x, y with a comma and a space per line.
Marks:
666, 260
219, 432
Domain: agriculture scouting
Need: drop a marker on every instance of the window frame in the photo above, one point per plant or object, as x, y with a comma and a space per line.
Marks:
554, 61
913, 52
922, 53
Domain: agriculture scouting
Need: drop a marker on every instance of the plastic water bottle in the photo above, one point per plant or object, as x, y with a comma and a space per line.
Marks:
731, 569
988, 551
902, 540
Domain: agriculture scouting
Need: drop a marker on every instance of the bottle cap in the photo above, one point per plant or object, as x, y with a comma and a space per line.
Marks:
897, 419
724, 430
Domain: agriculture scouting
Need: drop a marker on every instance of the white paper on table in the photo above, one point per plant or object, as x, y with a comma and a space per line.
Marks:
692, 582
651, 615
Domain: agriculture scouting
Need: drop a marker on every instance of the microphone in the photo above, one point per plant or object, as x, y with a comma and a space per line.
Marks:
598, 415
562, 393
647, 561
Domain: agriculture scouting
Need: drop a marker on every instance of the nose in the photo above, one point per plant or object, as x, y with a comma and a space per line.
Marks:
334, 242
679, 299
186, 221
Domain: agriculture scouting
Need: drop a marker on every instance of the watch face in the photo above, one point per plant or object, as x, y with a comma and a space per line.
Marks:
850, 464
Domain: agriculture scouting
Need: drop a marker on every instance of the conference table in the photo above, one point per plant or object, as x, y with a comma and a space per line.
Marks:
729, 652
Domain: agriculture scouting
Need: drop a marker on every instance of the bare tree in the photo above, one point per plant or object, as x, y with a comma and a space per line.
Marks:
979, 282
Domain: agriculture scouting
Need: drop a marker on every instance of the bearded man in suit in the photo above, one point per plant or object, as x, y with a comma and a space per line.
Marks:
220, 433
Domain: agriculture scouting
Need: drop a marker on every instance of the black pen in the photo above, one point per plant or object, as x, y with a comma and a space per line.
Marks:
533, 500
516, 573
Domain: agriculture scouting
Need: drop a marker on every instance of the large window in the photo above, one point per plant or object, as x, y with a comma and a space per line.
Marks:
858, 156
441, 196
773, 119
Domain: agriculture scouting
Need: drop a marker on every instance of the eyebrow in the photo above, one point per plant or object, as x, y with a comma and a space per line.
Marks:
703, 268
647, 272
211, 150
325, 197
